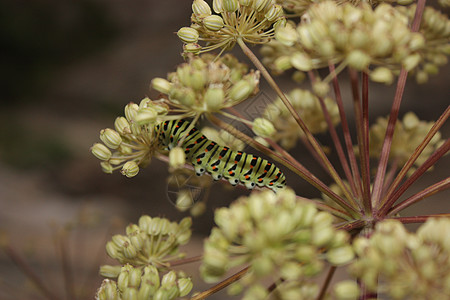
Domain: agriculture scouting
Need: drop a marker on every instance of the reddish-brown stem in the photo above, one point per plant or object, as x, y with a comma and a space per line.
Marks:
434, 129
419, 172
29, 273
327, 282
379, 177
294, 113
352, 225
363, 150
418, 219
390, 175
297, 168
429, 191
221, 285
365, 130
356, 182
337, 144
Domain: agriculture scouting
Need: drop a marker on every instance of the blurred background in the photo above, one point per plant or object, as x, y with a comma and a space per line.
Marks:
67, 69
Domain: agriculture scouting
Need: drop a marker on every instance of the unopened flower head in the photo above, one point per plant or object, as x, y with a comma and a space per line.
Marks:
408, 135
262, 229
358, 37
205, 85
253, 21
145, 283
309, 109
405, 265
132, 142
137, 246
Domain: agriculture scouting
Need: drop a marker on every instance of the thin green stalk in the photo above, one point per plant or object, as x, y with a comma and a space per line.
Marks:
429, 191
297, 118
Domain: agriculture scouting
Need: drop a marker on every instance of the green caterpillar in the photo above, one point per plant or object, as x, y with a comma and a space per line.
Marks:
220, 161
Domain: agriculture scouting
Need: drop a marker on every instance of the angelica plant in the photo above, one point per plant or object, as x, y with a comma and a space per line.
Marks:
275, 244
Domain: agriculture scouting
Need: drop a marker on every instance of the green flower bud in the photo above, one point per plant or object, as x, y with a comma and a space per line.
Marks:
241, 90
245, 2
107, 167
112, 250
188, 35
305, 253
411, 61
263, 127
130, 294
260, 5
146, 115
198, 209
322, 236
129, 251
161, 84
230, 5
358, 60
185, 286
134, 278
218, 6
177, 157
144, 223
108, 290
186, 97
382, 74
110, 271
262, 265
110, 138
201, 8
283, 63
286, 35
321, 88
301, 61
101, 151
214, 22
184, 200
146, 291
169, 279
346, 290
130, 169
131, 110
214, 99
291, 271
421, 77
275, 12
340, 256
122, 126
192, 48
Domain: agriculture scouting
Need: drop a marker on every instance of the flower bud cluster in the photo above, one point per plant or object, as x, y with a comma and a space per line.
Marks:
253, 21
278, 236
408, 135
153, 241
435, 28
132, 142
205, 85
309, 109
405, 265
355, 36
144, 283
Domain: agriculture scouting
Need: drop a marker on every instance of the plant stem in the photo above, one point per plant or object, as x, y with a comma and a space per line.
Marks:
66, 267
429, 191
221, 285
294, 113
322, 206
363, 149
419, 172
418, 219
327, 282
185, 260
436, 126
296, 168
356, 182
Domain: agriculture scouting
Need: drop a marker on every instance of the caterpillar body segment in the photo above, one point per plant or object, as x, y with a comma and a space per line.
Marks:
219, 161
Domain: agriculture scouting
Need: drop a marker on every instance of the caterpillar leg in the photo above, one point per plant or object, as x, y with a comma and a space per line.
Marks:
199, 170
233, 181
250, 185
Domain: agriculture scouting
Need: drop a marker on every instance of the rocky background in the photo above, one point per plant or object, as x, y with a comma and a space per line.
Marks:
68, 68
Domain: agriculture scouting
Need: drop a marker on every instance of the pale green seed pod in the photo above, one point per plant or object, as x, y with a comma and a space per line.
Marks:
188, 35
382, 74
134, 278
146, 116
286, 35
192, 48
186, 97
230, 5
245, 2
214, 99
101, 151
198, 209
131, 110
306, 253
346, 290
198, 80
301, 61
110, 138
201, 9
263, 127
184, 200
185, 286
130, 294
112, 250
283, 63
291, 271
340, 256
161, 85
106, 167
321, 88
274, 12
241, 90
260, 5
144, 223
130, 169
218, 6
169, 279
411, 61
177, 157
122, 126
358, 60
129, 251
110, 271
214, 22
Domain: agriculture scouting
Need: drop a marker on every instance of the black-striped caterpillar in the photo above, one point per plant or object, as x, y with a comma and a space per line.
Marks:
219, 161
